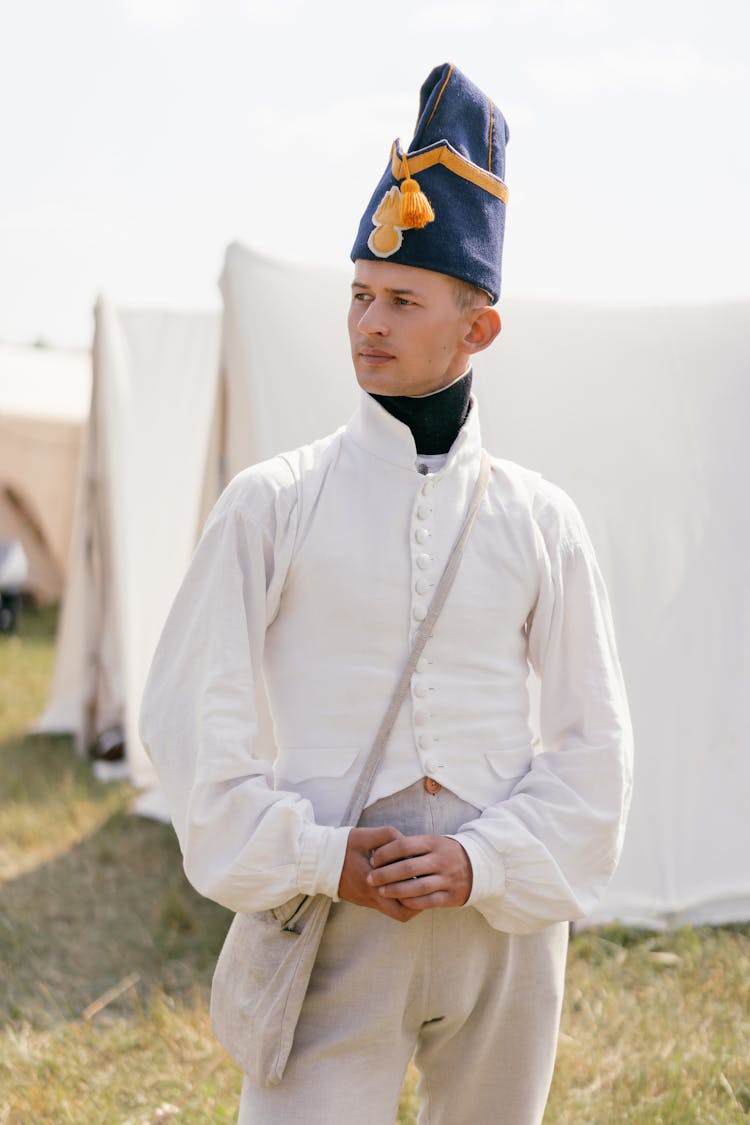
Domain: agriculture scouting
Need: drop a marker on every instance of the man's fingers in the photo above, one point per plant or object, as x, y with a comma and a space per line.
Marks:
415, 867
353, 885
410, 889
369, 839
403, 875
415, 906
403, 847
434, 871
394, 909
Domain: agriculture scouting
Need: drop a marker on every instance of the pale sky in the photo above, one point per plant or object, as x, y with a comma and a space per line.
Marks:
140, 137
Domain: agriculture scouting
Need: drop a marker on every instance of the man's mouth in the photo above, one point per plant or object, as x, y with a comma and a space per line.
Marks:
375, 356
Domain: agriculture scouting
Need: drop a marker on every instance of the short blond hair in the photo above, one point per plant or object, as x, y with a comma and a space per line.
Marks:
468, 296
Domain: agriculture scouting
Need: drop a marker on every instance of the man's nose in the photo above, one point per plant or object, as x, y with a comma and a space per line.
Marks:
373, 321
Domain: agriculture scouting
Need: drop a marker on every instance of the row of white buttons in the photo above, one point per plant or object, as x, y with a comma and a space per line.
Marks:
423, 560
422, 586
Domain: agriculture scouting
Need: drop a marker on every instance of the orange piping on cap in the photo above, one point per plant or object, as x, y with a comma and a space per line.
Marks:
456, 163
442, 91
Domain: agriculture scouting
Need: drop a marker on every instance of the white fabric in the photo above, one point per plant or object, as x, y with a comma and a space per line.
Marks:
640, 414
430, 462
44, 401
316, 567
155, 386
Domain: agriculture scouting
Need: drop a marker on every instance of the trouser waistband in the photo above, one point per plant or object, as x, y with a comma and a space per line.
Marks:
415, 811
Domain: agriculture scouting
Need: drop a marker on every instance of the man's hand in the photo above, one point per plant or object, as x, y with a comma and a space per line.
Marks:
354, 886
421, 872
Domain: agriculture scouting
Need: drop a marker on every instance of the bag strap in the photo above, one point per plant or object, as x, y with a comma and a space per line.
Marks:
361, 792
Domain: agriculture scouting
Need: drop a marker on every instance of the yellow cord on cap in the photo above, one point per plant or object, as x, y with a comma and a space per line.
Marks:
416, 211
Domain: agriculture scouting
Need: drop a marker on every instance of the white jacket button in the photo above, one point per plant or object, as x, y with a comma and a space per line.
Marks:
421, 535
425, 741
419, 612
432, 765
421, 689
423, 511
421, 585
423, 561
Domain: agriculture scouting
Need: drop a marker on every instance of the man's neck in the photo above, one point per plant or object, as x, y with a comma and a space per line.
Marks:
434, 419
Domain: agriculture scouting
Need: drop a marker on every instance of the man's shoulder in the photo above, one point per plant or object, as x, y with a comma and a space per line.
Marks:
314, 456
274, 482
549, 505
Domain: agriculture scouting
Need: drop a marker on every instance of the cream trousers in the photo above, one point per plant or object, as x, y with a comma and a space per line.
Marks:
478, 1009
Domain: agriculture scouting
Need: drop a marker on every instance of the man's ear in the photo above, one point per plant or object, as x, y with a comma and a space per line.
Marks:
485, 327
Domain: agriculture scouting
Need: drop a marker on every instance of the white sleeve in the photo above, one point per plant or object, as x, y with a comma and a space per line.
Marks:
244, 844
547, 853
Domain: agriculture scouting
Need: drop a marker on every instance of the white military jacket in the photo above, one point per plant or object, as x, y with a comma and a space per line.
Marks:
314, 570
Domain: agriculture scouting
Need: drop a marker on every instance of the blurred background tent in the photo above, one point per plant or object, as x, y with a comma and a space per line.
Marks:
149, 471
44, 401
639, 413
287, 365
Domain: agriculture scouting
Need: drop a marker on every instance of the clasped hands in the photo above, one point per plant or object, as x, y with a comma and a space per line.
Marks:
402, 875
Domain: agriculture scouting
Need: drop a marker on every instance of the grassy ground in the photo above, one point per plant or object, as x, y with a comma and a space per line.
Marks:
106, 956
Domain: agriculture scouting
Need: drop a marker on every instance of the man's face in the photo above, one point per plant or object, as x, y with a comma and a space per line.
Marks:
406, 329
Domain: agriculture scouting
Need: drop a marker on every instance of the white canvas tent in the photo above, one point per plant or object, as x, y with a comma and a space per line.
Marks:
150, 467
640, 414
289, 377
44, 399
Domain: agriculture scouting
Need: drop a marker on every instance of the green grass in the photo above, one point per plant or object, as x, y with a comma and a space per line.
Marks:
656, 1028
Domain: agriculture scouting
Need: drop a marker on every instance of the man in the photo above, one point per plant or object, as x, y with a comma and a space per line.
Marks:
315, 571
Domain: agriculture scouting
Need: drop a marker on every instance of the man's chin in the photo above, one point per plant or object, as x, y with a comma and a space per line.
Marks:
377, 382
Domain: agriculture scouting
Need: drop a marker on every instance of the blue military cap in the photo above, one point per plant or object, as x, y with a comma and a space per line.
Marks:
452, 218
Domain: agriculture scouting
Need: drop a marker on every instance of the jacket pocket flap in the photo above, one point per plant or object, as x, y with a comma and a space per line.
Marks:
511, 763
304, 763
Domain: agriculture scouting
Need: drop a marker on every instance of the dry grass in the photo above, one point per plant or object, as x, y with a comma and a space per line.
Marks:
656, 1029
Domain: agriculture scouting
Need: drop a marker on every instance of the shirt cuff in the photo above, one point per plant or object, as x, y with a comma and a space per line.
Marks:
487, 870
322, 854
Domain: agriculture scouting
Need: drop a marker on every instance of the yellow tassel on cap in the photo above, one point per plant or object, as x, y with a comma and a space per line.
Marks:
416, 211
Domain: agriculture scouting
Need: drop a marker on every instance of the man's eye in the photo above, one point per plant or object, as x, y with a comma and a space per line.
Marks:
403, 301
